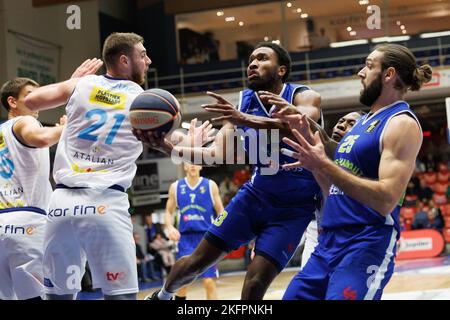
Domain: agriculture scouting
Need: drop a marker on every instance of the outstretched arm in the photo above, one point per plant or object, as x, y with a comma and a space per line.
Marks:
30, 132
55, 95
401, 144
307, 102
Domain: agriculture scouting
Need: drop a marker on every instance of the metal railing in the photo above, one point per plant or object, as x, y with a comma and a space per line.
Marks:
311, 69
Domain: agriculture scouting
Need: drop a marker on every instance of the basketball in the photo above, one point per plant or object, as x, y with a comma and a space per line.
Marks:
155, 110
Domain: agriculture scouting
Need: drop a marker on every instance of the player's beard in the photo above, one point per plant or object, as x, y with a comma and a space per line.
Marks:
371, 93
137, 75
264, 84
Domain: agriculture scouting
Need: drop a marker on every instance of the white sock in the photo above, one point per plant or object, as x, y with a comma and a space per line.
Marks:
165, 295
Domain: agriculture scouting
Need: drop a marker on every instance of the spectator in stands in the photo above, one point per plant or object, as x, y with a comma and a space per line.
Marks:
227, 189
212, 46
402, 223
421, 217
411, 195
140, 260
150, 228
420, 166
164, 249
435, 220
241, 176
425, 192
430, 162
322, 40
139, 228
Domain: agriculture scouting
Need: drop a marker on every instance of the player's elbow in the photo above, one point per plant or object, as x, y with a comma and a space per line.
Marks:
42, 142
32, 102
388, 204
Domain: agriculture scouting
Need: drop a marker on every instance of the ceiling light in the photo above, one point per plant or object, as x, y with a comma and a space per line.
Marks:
229, 19
391, 39
266, 38
289, 4
241, 23
398, 22
363, 2
298, 10
348, 43
304, 15
435, 34
404, 31
402, 27
353, 33
349, 29
219, 13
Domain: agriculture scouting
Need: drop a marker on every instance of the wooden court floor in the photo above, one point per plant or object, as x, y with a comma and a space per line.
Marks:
412, 280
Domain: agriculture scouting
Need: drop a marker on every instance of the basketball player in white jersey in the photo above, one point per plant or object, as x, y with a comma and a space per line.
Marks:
94, 165
25, 189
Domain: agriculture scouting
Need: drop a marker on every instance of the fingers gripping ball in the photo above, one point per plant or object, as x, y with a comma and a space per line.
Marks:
155, 110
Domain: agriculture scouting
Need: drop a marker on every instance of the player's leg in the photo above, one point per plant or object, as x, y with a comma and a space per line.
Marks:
312, 281
6, 285
260, 274
187, 269
364, 270
64, 261
311, 241
231, 229
274, 248
182, 293
211, 288
26, 254
107, 238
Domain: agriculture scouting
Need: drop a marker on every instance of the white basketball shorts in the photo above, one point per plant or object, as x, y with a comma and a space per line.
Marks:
311, 241
21, 250
90, 225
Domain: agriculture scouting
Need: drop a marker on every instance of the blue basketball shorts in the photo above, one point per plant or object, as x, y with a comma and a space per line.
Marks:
187, 244
250, 215
348, 264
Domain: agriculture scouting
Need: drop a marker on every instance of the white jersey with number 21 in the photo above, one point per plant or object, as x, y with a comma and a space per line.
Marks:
97, 148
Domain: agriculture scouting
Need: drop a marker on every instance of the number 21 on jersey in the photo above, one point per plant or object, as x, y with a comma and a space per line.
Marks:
102, 119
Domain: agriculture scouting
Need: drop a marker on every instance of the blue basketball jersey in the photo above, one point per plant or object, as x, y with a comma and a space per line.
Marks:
359, 152
196, 206
288, 188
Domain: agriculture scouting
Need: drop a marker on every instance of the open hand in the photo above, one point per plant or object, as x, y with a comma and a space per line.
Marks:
88, 67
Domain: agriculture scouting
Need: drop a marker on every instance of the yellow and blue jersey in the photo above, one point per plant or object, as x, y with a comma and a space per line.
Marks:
359, 152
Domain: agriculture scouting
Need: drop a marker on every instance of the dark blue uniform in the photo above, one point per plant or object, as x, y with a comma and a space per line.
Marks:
196, 215
276, 209
355, 255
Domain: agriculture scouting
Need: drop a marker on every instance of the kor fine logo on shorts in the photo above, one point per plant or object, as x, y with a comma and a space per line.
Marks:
16, 230
78, 210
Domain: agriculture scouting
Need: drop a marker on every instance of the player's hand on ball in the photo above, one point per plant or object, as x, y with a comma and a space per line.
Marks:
153, 140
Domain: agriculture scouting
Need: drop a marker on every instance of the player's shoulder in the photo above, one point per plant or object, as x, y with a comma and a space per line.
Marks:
212, 183
404, 122
25, 120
